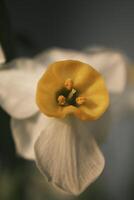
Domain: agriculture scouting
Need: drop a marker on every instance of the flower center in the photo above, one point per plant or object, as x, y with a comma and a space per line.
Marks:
68, 95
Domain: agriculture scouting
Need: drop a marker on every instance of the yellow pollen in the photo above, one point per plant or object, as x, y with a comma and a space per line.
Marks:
61, 100
68, 84
68, 95
80, 100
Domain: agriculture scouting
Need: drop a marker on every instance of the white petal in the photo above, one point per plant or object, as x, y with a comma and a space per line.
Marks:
119, 147
18, 81
55, 54
25, 132
123, 104
119, 105
2, 57
112, 64
68, 155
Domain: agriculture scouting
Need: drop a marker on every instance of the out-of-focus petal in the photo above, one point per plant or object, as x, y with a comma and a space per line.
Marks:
55, 54
118, 148
124, 104
68, 155
110, 63
18, 81
25, 133
2, 57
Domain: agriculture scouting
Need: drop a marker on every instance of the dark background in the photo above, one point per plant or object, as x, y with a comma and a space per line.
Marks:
29, 26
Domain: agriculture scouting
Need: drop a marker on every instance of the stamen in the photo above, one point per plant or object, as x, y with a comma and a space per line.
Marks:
68, 95
80, 100
61, 100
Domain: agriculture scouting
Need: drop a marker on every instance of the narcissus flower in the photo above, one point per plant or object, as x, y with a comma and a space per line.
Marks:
66, 152
70, 94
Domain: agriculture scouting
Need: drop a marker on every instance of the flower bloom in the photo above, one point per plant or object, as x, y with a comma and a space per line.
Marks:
71, 157
74, 81
60, 141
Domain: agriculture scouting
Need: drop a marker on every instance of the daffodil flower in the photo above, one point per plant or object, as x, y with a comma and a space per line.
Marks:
65, 150
60, 141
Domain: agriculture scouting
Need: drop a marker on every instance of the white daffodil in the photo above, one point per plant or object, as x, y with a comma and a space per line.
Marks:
63, 147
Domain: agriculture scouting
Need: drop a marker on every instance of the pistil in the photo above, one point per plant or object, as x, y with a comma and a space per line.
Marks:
69, 95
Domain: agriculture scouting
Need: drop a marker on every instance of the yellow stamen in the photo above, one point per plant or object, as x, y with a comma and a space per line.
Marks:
61, 100
80, 100
68, 84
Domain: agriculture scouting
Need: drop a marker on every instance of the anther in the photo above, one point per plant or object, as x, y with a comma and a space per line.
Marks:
68, 95
61, 100
80, 100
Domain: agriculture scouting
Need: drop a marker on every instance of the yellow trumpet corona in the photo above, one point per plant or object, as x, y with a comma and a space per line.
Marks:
72, 88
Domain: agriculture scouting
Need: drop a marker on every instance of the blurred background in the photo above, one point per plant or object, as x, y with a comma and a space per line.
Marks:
28, 27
